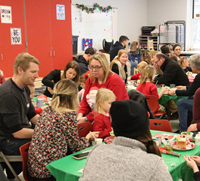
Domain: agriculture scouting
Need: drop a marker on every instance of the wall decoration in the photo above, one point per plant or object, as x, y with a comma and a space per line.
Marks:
16, 36
86, 43
6, 14
60, 12
95, 7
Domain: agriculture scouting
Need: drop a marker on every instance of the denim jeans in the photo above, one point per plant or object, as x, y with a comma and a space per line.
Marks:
185, 108
11, 147
133, 65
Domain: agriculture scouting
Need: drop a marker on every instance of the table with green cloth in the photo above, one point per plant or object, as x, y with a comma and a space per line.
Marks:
66, 169
165, 97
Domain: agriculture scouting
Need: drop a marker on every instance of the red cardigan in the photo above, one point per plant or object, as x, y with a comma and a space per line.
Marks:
196, 108
148, 88
114, 82
102, 123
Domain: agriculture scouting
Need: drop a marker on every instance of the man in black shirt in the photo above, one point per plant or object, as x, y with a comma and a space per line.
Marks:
16, 108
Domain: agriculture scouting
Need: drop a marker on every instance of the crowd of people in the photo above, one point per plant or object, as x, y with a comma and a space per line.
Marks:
103, 101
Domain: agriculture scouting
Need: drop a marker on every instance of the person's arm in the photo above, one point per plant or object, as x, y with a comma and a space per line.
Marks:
196, 108
34, 119
115, 68
160, 172
136, 76
191, 89
24, 133
154, 91
48, 79
98, 125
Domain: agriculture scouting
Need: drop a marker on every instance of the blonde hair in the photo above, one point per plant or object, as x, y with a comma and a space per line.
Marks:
148, 73
142, 65
120, 52
182, 61
103, 95
104, 63
23, 60
65, 96
146, 57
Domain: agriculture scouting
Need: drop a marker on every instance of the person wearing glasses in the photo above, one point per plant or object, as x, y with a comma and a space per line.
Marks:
100, 77
169, 71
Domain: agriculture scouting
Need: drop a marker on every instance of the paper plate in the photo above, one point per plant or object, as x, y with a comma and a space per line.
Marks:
109, 139
189, 146
167, 136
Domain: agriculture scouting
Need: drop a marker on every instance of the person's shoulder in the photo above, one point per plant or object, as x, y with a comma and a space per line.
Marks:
7, 87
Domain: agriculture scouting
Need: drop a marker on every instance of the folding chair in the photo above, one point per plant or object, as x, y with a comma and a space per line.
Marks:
10, 158
24, 154
154, 105
160, 124
84, 129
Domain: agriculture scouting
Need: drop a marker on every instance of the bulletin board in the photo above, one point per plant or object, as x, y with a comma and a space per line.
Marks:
96, 26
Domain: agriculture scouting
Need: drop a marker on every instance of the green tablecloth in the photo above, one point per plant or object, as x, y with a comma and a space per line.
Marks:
66, 169
165, 98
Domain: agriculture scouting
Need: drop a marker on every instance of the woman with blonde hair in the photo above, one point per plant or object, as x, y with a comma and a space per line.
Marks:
56, 133
71, 71
100, 77
118, 65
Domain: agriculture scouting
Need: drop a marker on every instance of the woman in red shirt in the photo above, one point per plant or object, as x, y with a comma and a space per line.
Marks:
100, 77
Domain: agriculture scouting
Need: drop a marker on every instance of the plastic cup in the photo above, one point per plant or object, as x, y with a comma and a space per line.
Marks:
197, 140
98, 141
40, 102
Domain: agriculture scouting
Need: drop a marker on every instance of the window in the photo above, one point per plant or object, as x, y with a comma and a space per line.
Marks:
196, 24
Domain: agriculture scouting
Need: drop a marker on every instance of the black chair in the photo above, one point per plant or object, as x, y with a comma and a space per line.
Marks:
107, 45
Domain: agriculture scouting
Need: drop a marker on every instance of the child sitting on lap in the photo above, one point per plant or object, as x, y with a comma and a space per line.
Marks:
137, 76
102, 122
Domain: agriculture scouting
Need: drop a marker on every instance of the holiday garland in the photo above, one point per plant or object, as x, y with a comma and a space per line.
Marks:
95, 7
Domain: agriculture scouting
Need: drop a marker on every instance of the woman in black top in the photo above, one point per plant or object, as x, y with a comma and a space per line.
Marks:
118, 65
71, 71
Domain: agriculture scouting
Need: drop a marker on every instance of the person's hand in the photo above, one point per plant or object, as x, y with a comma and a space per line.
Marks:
90, 137
164, 89
196, 159
81, 120
180, 87
172, 92
128, 50
191, 163
50, 90
192, 127
129, 78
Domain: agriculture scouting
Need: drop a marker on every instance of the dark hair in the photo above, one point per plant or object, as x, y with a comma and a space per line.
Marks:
161, 55
174, 57
90, 51
74, 65
147, 140
176, 45
165, 50
123, 38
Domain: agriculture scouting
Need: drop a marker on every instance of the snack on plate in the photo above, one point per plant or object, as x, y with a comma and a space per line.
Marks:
187, 134
181, 141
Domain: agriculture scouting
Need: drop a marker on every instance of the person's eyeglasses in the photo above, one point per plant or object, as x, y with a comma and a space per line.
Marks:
92, 67
157, 61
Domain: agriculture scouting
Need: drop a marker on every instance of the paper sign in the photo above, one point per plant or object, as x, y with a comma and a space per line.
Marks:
6, 15
60, 12
16, 36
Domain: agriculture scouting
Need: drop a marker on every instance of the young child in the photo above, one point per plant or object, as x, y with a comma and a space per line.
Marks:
82, 83
102, 122
137, 76
146, 86
184, 63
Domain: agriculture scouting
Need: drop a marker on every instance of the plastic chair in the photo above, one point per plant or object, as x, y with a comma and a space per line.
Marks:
24, 153
11, 158
84, 129
160, 124
154, 105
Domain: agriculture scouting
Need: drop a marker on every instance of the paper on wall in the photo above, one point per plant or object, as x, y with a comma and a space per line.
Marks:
6, 14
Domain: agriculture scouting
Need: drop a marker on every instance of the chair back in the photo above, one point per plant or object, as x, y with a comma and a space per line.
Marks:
135, 71
160, 124
152, 53
84, 129
152, 102
24, 153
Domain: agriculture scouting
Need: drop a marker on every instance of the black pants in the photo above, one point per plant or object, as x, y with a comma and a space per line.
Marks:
52, 178
11, 147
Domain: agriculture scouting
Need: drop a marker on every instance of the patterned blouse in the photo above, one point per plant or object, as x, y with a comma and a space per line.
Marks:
2, 78
55, 134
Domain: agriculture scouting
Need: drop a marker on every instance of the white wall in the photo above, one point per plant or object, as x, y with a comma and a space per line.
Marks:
132, 15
